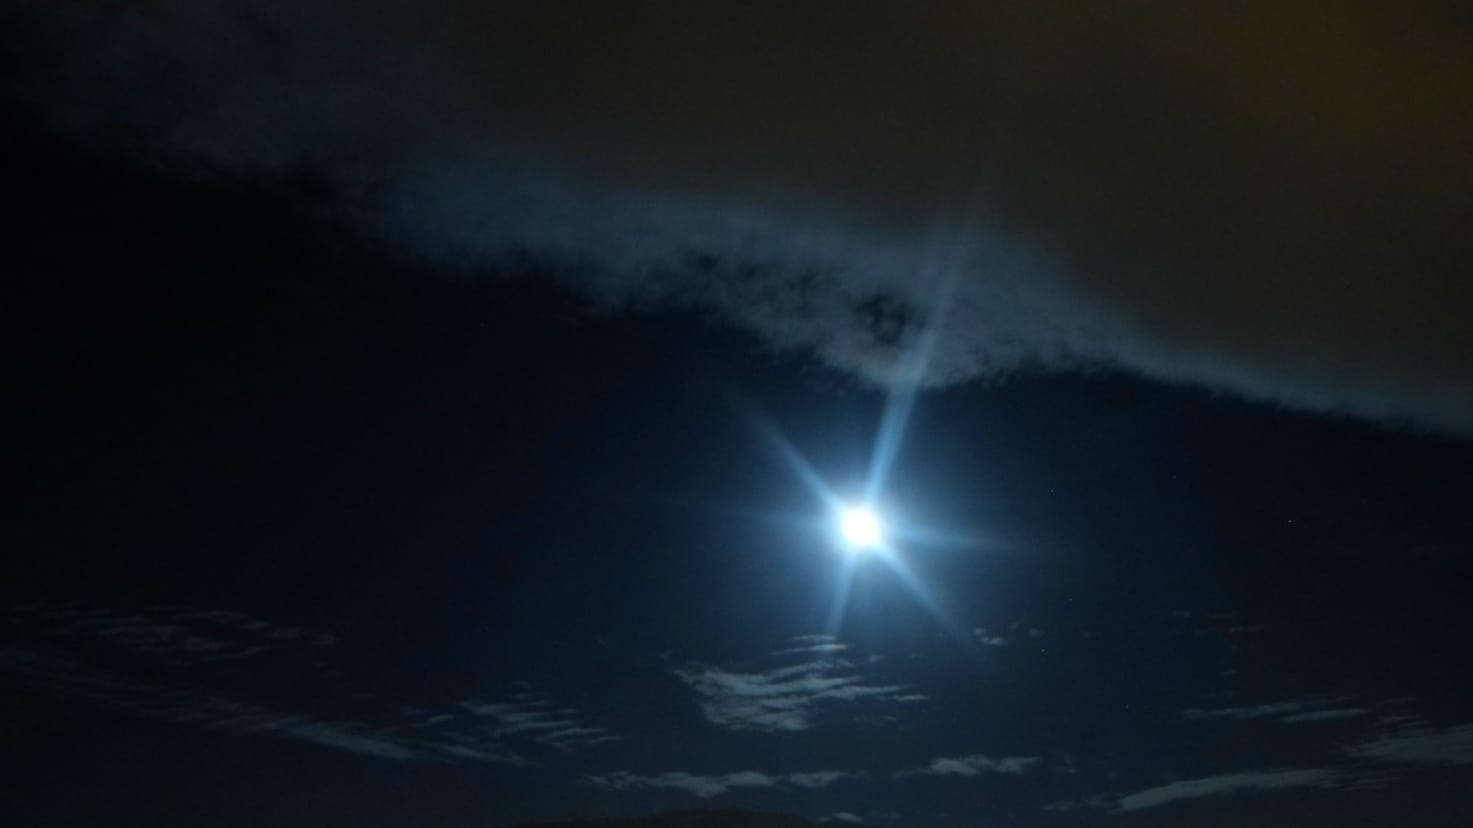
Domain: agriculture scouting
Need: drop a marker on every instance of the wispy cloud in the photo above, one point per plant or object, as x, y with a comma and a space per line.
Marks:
219, 712
988, 639
1226, 784
818, 779
823, 648
1325, 715
1420, 745
974, 764
166, 635
812, 644
1294, 711
1405, 741
111, 657
1016, 631
708, 786
529, 716
783, 698
1325, 778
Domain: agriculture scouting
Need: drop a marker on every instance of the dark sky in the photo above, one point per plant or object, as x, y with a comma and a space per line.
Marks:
420, 414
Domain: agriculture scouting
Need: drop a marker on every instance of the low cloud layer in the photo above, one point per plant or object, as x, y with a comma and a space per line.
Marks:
1004, 189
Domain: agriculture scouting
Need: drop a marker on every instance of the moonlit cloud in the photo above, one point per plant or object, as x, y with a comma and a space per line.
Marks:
1227, 783
818, 779
1403, 742
987, 639
812, 649
1295, 711
1420, 744
975, 764
534, 718
783, 698
1325, 715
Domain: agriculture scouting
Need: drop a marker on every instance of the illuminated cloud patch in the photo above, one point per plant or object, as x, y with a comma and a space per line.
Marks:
988, 639
975, 764
784, 698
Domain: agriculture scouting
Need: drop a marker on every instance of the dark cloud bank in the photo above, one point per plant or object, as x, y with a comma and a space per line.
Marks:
1271, 202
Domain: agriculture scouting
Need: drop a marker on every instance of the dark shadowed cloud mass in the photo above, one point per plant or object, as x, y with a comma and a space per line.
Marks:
1277, 210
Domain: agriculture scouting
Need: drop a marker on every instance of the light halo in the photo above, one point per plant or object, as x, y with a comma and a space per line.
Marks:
861, 528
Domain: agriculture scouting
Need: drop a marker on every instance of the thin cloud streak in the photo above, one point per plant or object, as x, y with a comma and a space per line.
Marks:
1405, 744
1227, 783
707, 786
1288, 712
1420, 745
531, 717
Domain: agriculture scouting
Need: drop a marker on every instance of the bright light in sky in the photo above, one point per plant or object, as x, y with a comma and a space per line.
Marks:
860, 527
857, 527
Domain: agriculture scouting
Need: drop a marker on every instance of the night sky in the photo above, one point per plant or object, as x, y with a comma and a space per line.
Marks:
440, 414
